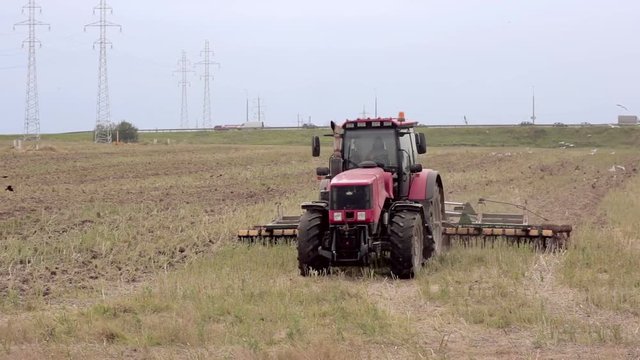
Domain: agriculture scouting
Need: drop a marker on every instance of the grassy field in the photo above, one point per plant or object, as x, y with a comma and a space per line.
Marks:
129, 252
517, 136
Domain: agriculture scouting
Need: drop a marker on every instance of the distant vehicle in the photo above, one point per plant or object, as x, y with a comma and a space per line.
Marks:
559, 124
526, 123
309, 126
584, 123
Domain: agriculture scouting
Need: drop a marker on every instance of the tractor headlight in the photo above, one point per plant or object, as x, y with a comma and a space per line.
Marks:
361, 216
337, 216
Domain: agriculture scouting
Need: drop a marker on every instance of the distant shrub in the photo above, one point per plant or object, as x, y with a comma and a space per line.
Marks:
539, 134
126, 132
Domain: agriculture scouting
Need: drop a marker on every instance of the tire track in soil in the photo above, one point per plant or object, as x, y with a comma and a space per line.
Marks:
563, 301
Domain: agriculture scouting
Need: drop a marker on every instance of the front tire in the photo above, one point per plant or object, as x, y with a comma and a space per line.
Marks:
311, 229
406, 237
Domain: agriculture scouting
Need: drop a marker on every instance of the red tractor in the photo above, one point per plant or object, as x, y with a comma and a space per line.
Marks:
376, 201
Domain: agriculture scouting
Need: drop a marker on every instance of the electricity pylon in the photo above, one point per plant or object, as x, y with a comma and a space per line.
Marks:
32, 106
184, 69
103, 128
206, 105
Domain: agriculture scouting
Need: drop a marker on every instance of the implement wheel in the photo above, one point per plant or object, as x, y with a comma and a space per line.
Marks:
434, 243
311, 230
406, 237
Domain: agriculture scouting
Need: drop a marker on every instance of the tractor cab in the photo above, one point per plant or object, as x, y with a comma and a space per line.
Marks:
388, 143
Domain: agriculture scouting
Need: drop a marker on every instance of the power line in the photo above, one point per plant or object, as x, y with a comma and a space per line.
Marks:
183, 68
206, 105
32, 106
103, 107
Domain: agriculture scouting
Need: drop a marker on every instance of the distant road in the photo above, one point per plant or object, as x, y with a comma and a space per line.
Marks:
326, 127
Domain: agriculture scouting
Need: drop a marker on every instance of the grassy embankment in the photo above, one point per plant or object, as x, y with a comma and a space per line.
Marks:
547, 137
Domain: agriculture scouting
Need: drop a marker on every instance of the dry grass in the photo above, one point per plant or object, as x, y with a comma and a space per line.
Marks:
127, 252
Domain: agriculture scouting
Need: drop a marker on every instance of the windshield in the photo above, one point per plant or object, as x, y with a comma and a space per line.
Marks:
376, 145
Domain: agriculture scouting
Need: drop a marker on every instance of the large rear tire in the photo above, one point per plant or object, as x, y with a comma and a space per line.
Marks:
311, 230
406, 237
434, 243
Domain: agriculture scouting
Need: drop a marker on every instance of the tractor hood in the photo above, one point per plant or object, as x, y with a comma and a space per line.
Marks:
381, 189
381, 180
357, 177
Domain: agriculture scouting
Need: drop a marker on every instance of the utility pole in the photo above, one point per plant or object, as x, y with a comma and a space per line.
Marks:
206, 105
259, 111
102, 132
376, 105
533, 112
183, 69
246, 93
32, 106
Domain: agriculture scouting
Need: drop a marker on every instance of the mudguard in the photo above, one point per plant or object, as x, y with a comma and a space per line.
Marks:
317, 205
423, 185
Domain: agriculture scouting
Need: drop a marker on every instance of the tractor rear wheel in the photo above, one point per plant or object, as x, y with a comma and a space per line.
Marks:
311, 230
434, 243
406, 237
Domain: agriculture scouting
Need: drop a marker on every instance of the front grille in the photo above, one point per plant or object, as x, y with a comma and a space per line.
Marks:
356, 197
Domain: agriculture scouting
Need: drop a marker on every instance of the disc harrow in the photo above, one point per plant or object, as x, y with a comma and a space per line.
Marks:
462, 226
283, 229
467, 227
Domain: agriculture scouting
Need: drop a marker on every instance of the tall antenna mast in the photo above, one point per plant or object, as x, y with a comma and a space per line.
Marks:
183, 69
376, 106
533, 112
32, 107
206, 105
102, 132
246, 93
259, 111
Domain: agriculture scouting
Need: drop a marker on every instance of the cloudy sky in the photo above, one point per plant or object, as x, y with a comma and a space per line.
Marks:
436, 60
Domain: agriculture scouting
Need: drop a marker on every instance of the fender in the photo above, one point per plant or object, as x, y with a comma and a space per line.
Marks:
406, 205
423, 185
316, 205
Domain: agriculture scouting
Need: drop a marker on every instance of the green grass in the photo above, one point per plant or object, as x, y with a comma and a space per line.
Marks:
484, 285
246, 296
515, 136
604, 263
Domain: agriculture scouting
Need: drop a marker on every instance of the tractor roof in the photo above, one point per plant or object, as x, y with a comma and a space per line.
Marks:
378, 123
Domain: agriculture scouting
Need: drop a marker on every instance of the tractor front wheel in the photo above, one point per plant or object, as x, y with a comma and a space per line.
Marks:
311, 230
406, 237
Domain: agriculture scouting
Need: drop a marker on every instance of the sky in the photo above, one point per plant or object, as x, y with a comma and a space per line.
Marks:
436, 60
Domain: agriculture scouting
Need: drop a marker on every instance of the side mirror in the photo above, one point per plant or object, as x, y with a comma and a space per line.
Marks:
322, 171
315, 146
415, 168
421, 143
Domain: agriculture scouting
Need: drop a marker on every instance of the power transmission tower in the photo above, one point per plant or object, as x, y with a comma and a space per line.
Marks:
364, 114
103, 108
32, 107
258, 110
206, 105
183, 68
